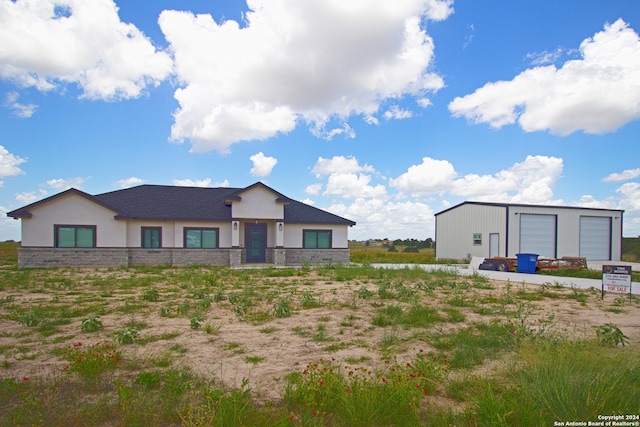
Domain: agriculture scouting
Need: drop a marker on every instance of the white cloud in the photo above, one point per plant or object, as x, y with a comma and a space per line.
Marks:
313, 189
588, 201
438, 10
545, 57
319, 131
193, 183
61, 184
630, 200
424, 102
24, 111
339, 164
200, 183
624, 176
430, 177
468, 38
378, 218
370, 120
351, 185
9, 227
49, 43
597, 94
129, 182
398, 113
262, 165
292, 61
26, 198
9, 164
531, 181
380, 214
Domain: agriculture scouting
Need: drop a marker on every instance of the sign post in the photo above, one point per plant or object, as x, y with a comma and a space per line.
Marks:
616, 278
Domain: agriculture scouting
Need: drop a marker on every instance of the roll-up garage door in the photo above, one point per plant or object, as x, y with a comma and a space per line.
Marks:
595, 238
538, 235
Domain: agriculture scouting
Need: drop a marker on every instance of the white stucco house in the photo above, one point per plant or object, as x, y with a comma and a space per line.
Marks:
499, 229
169, 225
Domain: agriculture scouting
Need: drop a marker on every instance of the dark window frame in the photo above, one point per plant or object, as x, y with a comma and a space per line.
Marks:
142, 239
56, 235
316, 231
187, 229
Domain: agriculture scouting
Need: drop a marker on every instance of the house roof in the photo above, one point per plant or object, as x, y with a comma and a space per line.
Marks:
171, 203
506, 205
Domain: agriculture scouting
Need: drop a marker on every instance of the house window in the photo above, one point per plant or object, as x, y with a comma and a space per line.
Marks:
201, 238
151, 237
317, 239
75, 236
477, 239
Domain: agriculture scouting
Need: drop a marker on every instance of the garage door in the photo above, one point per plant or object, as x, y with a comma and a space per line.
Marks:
538, 235
595, 238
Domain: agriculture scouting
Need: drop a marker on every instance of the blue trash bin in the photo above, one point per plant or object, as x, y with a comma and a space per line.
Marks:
527, 263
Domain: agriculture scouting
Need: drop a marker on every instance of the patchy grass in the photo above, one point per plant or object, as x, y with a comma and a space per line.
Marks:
328, 346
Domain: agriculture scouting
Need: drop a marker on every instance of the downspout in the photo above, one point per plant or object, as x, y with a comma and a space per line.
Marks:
506, 232
435, 242
621, 222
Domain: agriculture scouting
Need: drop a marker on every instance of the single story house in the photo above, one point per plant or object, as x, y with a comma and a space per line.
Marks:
499, 229
169, 225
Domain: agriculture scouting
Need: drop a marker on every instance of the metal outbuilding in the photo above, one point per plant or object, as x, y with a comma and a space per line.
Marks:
498, 229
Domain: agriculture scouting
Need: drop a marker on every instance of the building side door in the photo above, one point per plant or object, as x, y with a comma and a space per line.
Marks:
494, 245
256, 242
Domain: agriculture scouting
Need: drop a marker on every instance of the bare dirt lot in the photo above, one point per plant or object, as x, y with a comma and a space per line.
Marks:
262, 325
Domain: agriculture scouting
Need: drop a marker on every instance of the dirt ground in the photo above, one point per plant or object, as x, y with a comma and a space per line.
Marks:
233, 349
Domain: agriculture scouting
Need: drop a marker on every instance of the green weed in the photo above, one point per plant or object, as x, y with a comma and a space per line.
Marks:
91, 324
127, 335
610, 335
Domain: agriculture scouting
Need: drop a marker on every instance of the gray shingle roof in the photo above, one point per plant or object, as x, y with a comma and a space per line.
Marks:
162, 202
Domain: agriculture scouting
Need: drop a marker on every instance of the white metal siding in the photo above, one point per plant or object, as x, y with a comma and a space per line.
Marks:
455, 229
538, 235
595, 238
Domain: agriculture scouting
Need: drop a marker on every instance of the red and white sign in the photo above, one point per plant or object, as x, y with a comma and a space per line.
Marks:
616, 278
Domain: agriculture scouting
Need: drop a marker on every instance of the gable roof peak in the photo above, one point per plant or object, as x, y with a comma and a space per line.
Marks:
25, 211
235, 196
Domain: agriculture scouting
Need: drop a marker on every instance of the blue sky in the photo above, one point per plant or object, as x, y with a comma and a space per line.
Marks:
384, 112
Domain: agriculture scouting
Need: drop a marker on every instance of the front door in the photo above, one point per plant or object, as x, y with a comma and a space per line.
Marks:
256, 242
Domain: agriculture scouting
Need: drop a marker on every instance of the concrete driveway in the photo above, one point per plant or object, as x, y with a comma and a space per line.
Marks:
539, 279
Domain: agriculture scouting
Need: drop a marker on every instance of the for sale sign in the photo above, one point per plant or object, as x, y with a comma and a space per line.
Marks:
616, 278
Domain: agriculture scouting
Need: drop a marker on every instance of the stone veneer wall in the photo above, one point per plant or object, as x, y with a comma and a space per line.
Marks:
183, 257
30, 257
317, 256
